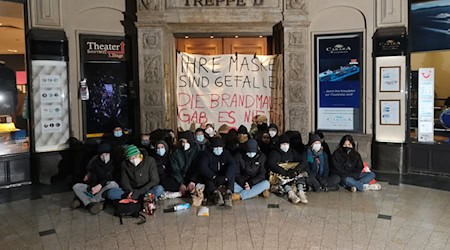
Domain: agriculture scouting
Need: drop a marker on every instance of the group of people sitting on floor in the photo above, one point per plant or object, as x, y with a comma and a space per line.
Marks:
219, 166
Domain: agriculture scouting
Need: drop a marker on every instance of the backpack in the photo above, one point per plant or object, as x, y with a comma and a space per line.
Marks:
129, 208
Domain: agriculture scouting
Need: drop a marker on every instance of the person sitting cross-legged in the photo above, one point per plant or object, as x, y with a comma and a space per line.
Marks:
250, 173
217, 169
98, 180
139, 175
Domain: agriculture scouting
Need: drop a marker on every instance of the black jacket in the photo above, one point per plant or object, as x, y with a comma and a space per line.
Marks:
141, 178
211, 166
278, 156
99, 172
250, 170
346, 164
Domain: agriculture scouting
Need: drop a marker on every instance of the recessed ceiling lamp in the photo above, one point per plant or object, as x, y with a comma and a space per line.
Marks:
186, 36
1, 24
236, 36
260, 36
211, 36
12, 50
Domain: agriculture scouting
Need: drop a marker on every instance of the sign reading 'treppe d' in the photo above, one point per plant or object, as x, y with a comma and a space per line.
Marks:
217, 3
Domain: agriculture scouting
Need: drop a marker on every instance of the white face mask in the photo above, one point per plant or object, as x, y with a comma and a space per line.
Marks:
105, 157
272, 133
136, 161
284, 147
316, 147
186, 146
251, 154
210, 131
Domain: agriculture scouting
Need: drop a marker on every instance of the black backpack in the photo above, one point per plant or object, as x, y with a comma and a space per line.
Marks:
130, 209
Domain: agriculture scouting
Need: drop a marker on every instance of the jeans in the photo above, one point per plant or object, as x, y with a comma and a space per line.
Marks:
254, 191
364, 178
80, 190
116, 193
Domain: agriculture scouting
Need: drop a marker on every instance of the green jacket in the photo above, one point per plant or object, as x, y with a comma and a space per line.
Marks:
180, 162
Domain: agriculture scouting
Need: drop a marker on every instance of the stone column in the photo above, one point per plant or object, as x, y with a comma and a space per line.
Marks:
298, 115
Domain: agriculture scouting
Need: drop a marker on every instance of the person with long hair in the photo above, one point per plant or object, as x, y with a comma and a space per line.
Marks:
348, 164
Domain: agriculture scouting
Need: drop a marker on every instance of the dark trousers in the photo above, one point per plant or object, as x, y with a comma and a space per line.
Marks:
212, 185
169, 183
317, 182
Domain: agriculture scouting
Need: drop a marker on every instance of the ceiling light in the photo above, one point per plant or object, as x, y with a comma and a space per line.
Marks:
186, 37
236, 36
260, 36
12, 50
211, 36
1, 24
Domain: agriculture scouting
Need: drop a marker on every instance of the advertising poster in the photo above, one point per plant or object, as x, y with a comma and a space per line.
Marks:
426, 105
224, 89
338, 81
390, 112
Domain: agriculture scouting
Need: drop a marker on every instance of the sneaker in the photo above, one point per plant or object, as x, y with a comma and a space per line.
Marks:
95, 207
293, 197
76, 203
303, 197
236, 197
170, 195
266, 193
218, 198
374, 186
353, 189
227, 198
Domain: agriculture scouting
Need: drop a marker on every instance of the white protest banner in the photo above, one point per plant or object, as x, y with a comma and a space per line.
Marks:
224, 89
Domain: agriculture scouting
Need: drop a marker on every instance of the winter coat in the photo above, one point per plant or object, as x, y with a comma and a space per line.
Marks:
250, 170
211, 166
99, 172
181, 160
141, 178
346, 164
277, 156
318, 164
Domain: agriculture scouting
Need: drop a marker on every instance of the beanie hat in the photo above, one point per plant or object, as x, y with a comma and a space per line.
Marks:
284, 139
131, 151
188, 135
313, 138
199, 129
252, 145
104, 148
273, 126
242, 130
217, 142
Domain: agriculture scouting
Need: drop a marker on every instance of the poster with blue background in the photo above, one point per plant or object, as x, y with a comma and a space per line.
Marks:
338, 81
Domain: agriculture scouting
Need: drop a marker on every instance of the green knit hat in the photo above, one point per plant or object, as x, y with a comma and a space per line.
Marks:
131, 151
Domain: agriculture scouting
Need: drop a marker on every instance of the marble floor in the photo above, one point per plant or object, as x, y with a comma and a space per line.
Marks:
397, 217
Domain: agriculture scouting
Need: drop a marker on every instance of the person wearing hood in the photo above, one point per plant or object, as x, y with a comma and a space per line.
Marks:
139, 175
243, 137
200, 139
210, 132
145, 143
288, 169
118, 141
217, 168
325, 146
273, 133
163, 165
98, 180
182, 161
261, 125
250, 173
347, 163
319, 178
264, 143
231, 141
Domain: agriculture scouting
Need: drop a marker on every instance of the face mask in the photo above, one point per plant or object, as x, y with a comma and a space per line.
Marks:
118, 133
251, 154
316, 147
161, 151
145, 142
284, 148
136, 161
210, 131
272, 133
186, 146
200, 138
105, 158
218, 151
348, 150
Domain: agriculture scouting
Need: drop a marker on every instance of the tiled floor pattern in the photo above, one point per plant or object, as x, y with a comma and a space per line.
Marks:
398, 217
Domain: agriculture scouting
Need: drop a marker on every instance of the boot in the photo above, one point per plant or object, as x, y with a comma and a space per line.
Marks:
236, 197
198, 196
218, 198
303, 198
266, 193
95, 207
293, 197
76, 203
227, 198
